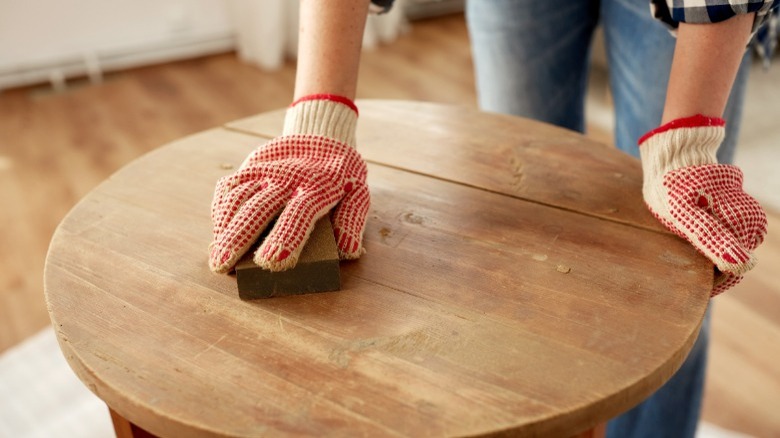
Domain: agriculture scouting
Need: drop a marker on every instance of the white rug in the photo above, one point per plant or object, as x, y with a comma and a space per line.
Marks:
40, 397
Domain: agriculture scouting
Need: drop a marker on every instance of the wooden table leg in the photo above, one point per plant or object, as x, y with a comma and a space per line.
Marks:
125, 429
600, 431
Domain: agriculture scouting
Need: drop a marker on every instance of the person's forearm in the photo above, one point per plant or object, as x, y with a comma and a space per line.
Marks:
706, 60
330, 37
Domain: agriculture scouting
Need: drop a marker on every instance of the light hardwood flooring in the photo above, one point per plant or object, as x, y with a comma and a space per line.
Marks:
55, 147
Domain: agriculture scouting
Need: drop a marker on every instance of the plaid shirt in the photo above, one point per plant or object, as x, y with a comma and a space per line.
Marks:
674, 12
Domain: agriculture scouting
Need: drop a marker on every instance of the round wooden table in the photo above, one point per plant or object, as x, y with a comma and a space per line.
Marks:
514, 283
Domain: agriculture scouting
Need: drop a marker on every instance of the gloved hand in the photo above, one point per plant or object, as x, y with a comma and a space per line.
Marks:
700, 200
310, 169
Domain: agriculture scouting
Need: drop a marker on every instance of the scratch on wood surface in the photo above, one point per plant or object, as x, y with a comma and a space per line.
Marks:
675, 259
418, 340
412, 218
63, 336
340, 357
392, 236
212, 345
414, 344
384, 233
517, 173
553, 230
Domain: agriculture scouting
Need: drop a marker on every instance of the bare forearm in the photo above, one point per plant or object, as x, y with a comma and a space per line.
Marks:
706, 60
330, 37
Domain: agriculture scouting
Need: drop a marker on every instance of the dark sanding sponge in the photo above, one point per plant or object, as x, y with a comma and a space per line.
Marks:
317, 269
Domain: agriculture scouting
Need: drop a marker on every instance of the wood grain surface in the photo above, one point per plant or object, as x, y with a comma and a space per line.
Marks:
481, 307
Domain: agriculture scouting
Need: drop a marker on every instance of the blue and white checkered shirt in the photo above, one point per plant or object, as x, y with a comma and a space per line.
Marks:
674, 12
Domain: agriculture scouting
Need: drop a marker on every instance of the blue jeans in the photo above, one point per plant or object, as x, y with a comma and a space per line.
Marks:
531, 59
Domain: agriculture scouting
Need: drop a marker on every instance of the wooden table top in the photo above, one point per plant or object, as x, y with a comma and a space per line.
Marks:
514, 282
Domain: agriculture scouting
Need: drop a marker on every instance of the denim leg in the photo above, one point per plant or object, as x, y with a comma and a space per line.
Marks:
531, 57
639, 52
673, 410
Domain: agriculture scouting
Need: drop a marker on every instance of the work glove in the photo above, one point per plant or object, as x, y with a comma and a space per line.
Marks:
700, 200
299, 177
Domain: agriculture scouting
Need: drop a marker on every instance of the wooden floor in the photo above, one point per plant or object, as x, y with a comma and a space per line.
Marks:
55, 147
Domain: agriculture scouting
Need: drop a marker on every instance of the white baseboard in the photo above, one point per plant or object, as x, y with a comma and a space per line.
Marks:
94, 64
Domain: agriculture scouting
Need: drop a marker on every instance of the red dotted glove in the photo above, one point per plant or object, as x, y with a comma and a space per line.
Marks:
700, 200
300, 176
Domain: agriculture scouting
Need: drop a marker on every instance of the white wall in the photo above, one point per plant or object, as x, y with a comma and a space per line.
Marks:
53, 40
46, 39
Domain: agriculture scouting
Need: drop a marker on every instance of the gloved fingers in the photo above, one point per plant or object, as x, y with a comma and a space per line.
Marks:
233, 190
719, 208
741, 213
282, 247
245, 227
718, 190
349, 222
723, 282
706, 232
229, 200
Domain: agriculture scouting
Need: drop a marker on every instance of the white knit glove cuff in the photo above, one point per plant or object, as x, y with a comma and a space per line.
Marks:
685, 142
691, 141
323, 115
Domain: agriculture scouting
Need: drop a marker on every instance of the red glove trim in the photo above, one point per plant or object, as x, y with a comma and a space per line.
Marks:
331, 97
696, 121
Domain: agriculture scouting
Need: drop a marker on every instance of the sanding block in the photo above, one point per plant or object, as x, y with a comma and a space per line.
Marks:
317, 269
